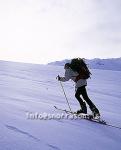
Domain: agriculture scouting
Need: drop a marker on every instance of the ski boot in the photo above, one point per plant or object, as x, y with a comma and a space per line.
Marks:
83, 109
95, 113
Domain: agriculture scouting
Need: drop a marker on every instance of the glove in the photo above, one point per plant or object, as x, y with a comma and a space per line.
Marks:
58, 78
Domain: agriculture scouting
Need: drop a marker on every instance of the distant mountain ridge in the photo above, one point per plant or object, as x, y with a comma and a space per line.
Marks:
97, 63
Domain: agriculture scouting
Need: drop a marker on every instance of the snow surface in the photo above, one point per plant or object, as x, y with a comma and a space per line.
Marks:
105, 64
33, 88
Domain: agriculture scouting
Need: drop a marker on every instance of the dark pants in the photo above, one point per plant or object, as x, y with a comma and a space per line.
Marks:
82, 91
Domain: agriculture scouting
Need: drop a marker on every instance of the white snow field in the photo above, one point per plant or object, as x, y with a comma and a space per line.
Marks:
30, 89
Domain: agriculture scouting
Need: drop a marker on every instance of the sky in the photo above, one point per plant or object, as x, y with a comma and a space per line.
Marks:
41, 31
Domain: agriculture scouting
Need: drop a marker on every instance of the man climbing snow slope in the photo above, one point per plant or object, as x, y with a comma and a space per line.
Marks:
78, 71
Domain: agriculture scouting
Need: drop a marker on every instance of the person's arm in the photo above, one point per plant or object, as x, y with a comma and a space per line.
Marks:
66, 77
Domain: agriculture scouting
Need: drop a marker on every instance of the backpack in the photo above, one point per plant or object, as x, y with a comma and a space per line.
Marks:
79, 65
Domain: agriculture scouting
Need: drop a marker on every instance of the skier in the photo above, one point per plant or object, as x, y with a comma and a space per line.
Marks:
79, 73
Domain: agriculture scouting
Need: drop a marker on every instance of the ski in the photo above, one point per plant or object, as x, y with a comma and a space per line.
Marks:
82, 116
89, 117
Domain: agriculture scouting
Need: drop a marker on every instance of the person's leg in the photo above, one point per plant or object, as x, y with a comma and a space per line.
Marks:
82, 104
87, 99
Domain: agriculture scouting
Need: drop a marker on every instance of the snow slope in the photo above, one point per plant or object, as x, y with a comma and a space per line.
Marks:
105, 64
33, 88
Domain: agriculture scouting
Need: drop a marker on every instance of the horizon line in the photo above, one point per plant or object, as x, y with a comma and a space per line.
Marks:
37, 63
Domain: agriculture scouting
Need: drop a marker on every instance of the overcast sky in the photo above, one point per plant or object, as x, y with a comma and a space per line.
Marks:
41, 31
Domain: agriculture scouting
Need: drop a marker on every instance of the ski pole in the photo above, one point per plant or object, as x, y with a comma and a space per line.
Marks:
65, 96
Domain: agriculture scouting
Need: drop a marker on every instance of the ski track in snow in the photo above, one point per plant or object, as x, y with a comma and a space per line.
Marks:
53, 147
22, 132
15, 129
